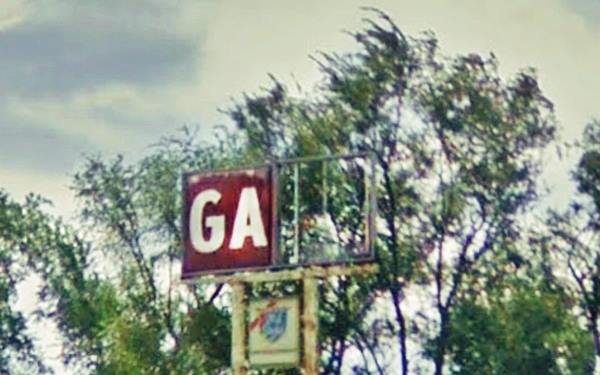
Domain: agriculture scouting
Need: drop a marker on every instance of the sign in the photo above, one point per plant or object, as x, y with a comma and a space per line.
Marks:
227, 222
231, 222
274, 332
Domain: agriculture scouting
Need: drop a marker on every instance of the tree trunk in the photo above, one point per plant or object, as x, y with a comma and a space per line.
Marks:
596, 334
340, 357
402, 334
442, 342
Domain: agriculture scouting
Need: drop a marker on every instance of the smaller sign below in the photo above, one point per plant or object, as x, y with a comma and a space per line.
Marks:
274, 332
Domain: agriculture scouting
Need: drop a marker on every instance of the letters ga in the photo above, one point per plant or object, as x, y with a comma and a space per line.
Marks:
247, 223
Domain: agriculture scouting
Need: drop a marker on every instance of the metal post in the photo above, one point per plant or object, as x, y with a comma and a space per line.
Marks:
310, 321
276, 245
372, 206
324, 186
295, 255
238, 329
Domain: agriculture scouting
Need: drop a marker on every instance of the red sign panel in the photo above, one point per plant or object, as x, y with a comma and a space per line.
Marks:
227, 221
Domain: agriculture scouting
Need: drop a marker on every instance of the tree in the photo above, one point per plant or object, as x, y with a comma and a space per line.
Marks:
455, 145
575, 235
522, 325
111, 286
17, 353
133, 211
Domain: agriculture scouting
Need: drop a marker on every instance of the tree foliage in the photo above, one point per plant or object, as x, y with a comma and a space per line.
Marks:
16, 346
457, 148
575, 236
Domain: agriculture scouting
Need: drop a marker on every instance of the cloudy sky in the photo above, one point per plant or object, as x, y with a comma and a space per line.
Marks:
114, 76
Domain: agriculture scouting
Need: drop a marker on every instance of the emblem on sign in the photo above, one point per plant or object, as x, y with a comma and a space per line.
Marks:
275, 325
272, 322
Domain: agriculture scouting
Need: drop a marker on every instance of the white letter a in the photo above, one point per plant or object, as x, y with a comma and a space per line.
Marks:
248, 221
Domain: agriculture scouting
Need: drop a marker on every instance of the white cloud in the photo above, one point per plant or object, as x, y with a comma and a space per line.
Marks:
50, 185
12, 13
245, 41
56, 115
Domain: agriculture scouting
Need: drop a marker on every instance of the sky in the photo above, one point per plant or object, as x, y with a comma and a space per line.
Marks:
87, 77
113, 77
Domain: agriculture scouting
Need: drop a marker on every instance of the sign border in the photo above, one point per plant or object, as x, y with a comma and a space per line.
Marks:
273, 167
191, 276
297, 298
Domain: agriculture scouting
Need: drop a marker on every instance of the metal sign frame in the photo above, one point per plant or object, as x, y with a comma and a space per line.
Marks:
274, 237
370, 216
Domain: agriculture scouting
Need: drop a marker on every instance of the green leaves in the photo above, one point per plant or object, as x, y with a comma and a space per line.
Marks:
457, 149
18, 227
518, 330
576, 237
587, 173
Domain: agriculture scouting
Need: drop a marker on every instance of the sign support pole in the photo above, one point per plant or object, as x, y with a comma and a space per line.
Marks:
238, 328
310, 320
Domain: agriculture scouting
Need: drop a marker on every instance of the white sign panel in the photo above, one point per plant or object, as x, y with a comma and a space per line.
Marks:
274, 332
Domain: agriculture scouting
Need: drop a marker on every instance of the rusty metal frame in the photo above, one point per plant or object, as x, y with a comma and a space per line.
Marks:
370, 201
292, 273
275, 168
